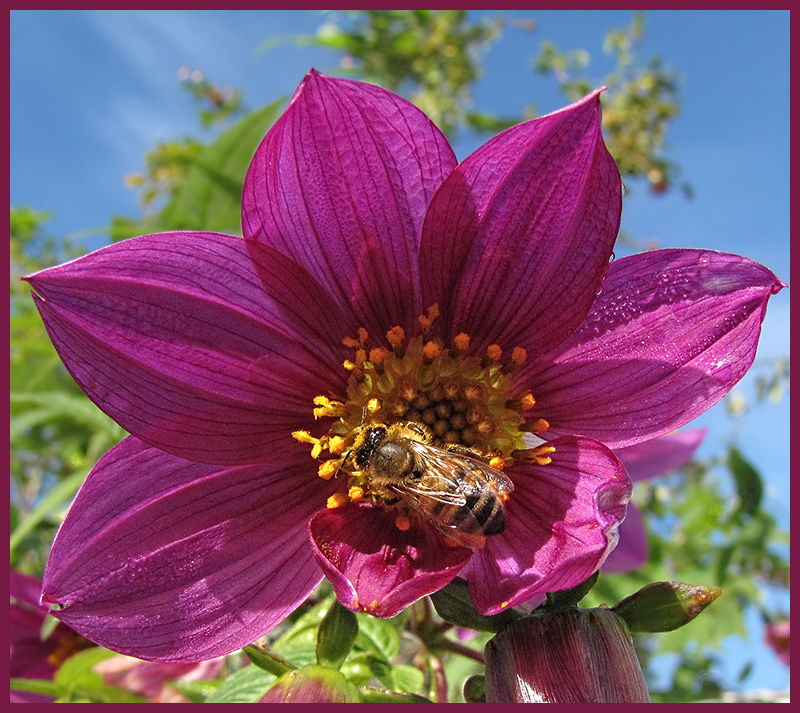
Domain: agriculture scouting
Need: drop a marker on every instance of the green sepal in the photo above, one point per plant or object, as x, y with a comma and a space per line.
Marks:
569, 598
267, 660
454, 605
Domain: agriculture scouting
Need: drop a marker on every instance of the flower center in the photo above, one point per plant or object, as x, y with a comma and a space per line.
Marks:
415, 391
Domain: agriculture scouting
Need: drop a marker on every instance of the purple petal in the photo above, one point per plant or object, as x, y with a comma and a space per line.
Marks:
206, 346
519, 236
377, 568
631, 551
561, 522
669, 336
341, 184
169, 560
661, 454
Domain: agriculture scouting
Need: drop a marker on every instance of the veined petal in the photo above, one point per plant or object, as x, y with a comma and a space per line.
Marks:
561, 522
668, 337
517, 239
631, 550
341, 184
661, 454
206, 346
375, 567
169, 560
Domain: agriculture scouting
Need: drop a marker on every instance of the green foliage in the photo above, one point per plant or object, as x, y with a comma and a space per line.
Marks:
638, 107
430, 56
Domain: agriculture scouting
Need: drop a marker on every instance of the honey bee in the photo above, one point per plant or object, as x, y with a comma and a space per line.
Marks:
457, 493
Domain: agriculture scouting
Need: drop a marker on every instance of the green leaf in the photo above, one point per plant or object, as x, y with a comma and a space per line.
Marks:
378, 636
78, 669
748, 482
210, 196
408, 679
247, 685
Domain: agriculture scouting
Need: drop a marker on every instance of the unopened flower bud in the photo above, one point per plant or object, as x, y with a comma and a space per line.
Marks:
337, 633
567, 656
664, 606
312, 684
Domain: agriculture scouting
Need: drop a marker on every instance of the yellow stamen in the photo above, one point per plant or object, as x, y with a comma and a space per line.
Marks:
374, 405
336, 445
327, 469
497, 462
336, 501
356, 493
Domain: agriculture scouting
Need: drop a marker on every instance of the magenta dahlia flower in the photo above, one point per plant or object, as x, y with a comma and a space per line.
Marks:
644, 461
378, 283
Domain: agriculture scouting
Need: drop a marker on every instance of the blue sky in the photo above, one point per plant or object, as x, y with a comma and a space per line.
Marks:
91, 91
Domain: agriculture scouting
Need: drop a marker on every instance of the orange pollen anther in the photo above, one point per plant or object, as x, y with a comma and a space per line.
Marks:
374, 405
336, 501
377, 355
430, 351
402, 523
497, 462
336, 445
461, 342
396, 336
527, 402
494, 352
356, 494
519, 355
327, 469
539, 426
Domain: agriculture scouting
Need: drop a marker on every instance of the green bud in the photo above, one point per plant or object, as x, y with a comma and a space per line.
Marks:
475, 689
454, 605
337, 632
312, 684
564, 656
665, 606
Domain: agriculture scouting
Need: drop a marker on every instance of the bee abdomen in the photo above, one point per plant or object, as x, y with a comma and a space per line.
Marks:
487, 511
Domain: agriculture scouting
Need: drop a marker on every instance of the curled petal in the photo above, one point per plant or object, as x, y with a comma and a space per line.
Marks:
668, 337
517, 239
631, 550
561, 522
341, 184
375, 567
203, 345
168, 560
